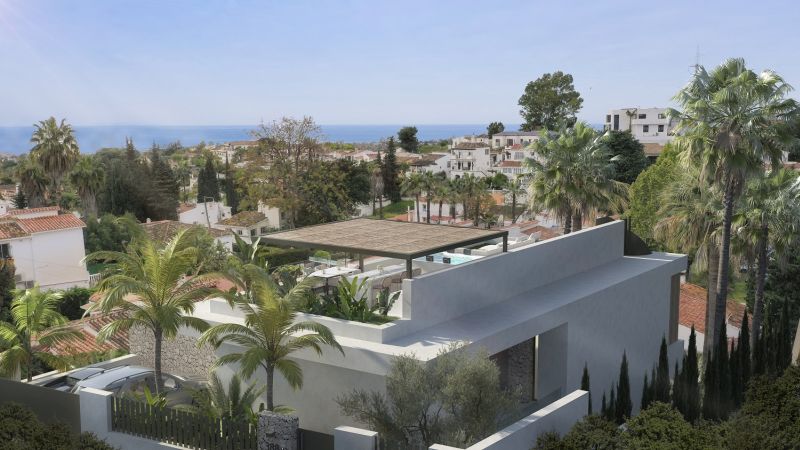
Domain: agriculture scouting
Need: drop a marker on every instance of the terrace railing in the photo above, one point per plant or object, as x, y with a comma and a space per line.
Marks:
183, 428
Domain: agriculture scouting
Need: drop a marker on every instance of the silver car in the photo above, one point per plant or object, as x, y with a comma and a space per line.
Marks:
130, 381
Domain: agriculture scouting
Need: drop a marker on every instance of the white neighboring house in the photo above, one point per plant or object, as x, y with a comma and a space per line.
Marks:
506, 139
164, 230
203, 213
432, 162
468, 158
650, 126
247, 224
45, 246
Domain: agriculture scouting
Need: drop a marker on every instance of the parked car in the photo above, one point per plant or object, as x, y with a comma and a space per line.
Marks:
130, 381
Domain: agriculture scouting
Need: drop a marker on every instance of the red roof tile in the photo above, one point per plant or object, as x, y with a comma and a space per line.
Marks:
87, 341
11, 230
693, 308
50, 223
510, 164
16, 212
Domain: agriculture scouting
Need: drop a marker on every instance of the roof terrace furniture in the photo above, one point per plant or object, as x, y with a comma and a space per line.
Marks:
389, 238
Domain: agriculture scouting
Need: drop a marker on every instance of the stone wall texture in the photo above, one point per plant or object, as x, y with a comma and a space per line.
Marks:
179, 356
277, 429
520, 369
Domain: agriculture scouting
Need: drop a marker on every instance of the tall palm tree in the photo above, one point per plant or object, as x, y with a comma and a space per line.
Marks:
690, 222
472, 190
36, 326
87, 177
572, 176
270, 334
412, 185
56, 149
33, 181
147, 282
514, 189
429, 183
442, 192
377, 185
453, 196
769, 219
733, 120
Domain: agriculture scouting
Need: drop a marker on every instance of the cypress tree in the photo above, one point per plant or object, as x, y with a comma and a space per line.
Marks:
744, 352
723, 374
784, 335
645, 394
678, 390
231, 196
691, 375
624, 406
737, 393
585, 386
19, 201
611, 412
603, 408
164, 190
711, 387
662, 374
390, 171
207, 185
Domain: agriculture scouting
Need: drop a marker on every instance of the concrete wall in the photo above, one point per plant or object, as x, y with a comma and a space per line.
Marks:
217, 211
449, 293
351, 438
53, 259
558, 416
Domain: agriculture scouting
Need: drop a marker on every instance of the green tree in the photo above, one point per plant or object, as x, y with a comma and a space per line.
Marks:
270, 333
549, 102
429, 183
231, 196
19, 201
35, 326
586, 386
624, 405
455, 399
154, 275
514, 189
662, 374
662, 427
732, 121
88, 178
207, 184
412, 185
33, 181
494, 128
391, 172
691, 379
628, 155
324, 195
164, 192
55, 148
769, 220
407, 138
646, 194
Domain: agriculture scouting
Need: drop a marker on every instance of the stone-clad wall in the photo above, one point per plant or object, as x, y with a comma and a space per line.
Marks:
179, 356
520, 369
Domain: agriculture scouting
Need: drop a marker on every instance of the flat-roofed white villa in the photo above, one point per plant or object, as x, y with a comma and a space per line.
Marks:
543, 310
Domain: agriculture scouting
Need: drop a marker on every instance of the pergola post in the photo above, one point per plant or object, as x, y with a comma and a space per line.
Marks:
409, 272
361, 262
505, 243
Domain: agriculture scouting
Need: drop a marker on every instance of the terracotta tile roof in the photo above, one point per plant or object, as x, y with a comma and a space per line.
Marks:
693, 308
544, 232
87, 341
164, 230
50, 223
510, 164
11, 230
244, 219
16, 212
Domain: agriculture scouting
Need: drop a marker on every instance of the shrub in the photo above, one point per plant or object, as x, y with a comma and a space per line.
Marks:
276, 257
20, 429
72, 301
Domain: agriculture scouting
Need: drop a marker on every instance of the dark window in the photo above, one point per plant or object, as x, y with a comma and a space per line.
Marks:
645, 128
253, 232
608, 118
509, 142
662, 116
616, 122
643, 116
661, 128
5, 251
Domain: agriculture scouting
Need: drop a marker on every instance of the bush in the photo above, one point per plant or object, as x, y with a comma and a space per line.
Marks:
20, 429
276, 257
72, 301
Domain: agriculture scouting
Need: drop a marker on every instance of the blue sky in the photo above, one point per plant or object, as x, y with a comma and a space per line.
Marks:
363, 62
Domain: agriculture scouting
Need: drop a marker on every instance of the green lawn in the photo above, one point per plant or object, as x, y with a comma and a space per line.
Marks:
395, 209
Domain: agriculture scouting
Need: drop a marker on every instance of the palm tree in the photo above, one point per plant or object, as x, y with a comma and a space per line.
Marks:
36, 326
453, 196
217, 401
376, 183
412, 185
733, 120
690, 223
442, 192
56, 150
270, 334
88, 178
572, 176
148, 284
472, 190
769, 219
514, 189
429, 182
32, 181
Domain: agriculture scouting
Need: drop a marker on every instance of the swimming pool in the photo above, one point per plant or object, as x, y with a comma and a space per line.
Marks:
455, 258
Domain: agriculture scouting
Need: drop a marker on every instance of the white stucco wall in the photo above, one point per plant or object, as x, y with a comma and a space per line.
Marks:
53, 259
217, 211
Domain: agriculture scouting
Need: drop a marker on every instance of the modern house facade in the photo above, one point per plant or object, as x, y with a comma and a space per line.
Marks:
650, 126
46, 247
542, 310
470, 159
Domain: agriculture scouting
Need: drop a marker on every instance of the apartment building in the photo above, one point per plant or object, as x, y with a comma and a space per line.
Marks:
470, 159
650, 126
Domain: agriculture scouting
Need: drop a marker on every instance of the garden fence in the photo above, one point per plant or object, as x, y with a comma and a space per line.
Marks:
184, 428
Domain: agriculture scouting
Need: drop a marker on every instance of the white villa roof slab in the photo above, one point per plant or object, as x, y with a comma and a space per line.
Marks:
495, 327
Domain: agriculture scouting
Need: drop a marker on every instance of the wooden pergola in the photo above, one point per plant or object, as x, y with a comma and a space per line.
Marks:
389, 238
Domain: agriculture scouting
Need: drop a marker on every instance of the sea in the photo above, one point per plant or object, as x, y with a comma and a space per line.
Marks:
16, 140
